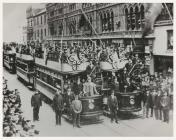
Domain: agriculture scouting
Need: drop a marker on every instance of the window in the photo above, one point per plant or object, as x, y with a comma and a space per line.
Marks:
170, 39
72, 7
142, 16
41, 34
22, 65
51, 13
60, 10
134, 18
137, 17
37, 20
44, 19
45, 32
112, 21
107, 21
41, 19
30, 66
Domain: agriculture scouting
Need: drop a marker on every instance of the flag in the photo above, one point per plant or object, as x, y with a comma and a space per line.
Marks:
152, 12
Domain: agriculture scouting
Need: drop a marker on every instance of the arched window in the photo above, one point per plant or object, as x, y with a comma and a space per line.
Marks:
101, 21
112, 21
142, 15
132, 19
137, 17
108, 21
104, 21
127, 19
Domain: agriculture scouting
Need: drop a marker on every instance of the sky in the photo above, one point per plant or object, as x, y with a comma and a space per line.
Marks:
14, 18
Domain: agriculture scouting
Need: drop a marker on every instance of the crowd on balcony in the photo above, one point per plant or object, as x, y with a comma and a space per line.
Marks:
14, 122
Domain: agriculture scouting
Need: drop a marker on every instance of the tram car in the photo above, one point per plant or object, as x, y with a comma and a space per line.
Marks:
60, 72
9, 59
115, 77
25, 69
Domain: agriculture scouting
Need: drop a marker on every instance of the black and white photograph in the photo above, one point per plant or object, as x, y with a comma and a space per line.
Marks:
87, 69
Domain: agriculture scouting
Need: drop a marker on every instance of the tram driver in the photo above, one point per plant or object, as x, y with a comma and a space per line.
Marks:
89, 88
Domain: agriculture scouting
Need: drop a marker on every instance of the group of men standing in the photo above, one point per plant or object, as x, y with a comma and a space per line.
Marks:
58, 107
157, 102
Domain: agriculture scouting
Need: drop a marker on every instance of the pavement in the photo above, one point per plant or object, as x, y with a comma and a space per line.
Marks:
135, 126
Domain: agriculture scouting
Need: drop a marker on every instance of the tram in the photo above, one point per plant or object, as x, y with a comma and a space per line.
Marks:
114, 76
9, 59
25, 69
56, 71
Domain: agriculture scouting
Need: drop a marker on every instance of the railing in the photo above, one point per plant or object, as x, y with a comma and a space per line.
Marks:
54, 56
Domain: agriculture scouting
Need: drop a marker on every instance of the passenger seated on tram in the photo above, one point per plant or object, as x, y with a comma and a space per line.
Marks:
89, 88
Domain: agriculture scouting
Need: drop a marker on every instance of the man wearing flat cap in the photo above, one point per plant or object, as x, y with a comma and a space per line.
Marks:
36, 102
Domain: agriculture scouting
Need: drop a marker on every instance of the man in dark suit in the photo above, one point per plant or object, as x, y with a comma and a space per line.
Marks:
165, 103
113, 106
151, 100
147, 102
58, 105
157, 106
36, 102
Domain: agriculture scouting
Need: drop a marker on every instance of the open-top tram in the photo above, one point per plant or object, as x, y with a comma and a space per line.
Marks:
115, 76
56, 72
9, 59
25, 69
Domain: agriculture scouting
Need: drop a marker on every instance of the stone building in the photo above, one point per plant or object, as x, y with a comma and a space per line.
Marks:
106, 23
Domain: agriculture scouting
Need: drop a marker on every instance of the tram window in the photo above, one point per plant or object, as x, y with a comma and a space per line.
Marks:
57, 82
31, 67
50, 80
23, 66
44, 77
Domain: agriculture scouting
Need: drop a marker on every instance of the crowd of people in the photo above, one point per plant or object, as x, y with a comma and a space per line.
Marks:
158, 95
14, 123
157, 89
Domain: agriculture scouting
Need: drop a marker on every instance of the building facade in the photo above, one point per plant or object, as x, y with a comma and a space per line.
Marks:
163, 41
103, 22
40, 25
106, 23
37, 27
29, 17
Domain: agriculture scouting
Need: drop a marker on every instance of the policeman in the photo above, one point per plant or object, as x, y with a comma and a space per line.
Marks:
36, 102
113, 106
77, 108
58, 105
